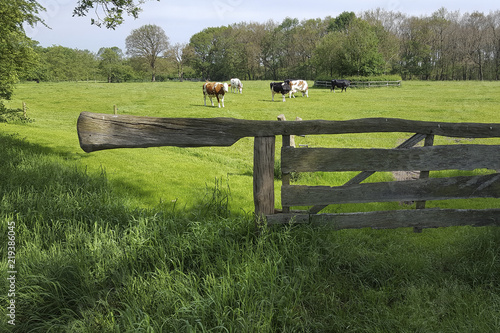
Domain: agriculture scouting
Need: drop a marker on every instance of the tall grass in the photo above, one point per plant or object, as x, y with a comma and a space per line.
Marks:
93, 257
88, 262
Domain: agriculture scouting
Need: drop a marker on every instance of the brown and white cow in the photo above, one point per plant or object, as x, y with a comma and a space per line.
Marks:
216, 89
298, 85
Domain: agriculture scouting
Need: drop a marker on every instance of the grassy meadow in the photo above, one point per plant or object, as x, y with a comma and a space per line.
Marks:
163, 239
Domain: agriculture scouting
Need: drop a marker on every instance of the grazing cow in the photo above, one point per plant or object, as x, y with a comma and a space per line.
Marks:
298, 85
216, 89
280, 88
237, 85
342, 84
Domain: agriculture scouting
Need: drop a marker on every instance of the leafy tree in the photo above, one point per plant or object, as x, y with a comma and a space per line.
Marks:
361, 54
179, 54
59, 63
147, 42
17, 56
110, 63
109, 12
85, 64
416, 53
271, 52
212, 49
341, 22
248, 37
327, 56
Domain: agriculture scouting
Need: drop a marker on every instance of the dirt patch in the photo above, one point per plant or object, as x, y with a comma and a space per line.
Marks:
406, 175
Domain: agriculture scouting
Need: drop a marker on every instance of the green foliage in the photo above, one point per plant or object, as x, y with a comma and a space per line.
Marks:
112, 66
16, 54
211, 53
109, 12
148, 42
13, 115
59, 63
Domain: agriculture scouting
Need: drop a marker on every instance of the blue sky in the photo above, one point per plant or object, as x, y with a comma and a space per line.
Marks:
181, 20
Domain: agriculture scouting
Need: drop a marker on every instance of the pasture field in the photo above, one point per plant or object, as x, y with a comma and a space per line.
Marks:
179, 176
163, 240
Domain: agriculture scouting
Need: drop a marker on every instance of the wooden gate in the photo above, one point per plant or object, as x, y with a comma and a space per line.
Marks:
103, 131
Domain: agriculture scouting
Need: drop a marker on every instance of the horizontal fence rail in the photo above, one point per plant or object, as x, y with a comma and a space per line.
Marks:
486, 186
458, 157
420, 218
361, 84
97, 131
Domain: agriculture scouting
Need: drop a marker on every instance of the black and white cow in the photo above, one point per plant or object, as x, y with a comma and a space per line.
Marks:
342, 84
280, 88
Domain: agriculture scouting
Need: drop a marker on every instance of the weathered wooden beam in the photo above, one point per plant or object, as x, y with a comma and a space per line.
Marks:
459, 157
263, 175
97, 131
421, 218
484, 186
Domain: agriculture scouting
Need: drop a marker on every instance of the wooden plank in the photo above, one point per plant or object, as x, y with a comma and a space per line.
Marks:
484, 186
97, 131
422, 218
459, 157
412, 141
263, 175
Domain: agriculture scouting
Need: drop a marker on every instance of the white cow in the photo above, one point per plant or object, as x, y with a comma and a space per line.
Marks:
298, 85
237, 85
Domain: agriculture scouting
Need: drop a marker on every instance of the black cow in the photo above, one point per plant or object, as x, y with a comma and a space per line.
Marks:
342, 84
280, 88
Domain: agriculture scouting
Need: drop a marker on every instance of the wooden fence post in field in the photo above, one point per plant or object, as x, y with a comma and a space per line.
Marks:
263, 175
424, 174
115, 109
25, 109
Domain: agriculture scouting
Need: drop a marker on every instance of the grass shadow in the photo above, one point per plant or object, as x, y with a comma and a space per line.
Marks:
88, 262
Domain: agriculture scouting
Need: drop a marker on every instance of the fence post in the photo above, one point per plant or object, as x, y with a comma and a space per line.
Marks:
429, 141
263, 175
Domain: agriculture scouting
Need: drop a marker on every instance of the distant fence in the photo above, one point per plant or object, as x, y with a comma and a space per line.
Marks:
104, 131
361, 84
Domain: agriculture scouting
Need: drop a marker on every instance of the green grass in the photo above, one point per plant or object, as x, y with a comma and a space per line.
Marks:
162, 239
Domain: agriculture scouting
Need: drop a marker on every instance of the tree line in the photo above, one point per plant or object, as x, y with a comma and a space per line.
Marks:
442, 46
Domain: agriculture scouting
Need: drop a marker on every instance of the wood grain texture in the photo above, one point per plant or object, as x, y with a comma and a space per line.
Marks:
484, 186
412, 141
97, 131
454, 157
263, 175
421, 218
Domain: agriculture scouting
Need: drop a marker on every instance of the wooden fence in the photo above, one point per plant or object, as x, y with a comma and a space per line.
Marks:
361, 84
104, 131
